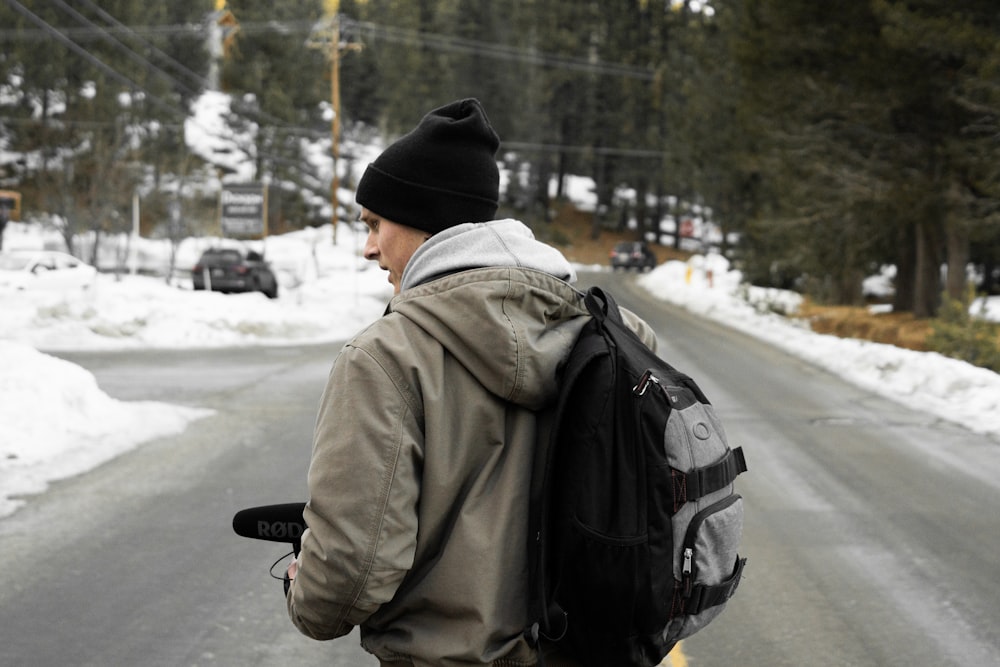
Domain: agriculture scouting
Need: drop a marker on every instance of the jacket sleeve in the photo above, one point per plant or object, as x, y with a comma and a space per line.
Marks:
640, 327
363, 492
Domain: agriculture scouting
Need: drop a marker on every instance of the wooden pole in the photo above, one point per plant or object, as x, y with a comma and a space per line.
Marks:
335, 123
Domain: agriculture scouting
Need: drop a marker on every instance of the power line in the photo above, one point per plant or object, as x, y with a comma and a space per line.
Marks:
86, 55
129, 53
62, 123
84, 33
192, 77
582, 150
515, 146
201, 82
106, 34
498, 51
409, 36
388, 33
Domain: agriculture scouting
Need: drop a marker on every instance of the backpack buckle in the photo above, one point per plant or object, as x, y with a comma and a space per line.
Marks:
643, 384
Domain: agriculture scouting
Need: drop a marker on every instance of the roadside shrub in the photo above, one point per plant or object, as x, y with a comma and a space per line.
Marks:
956, 333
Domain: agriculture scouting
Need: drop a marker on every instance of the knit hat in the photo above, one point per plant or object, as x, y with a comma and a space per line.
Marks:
443, 173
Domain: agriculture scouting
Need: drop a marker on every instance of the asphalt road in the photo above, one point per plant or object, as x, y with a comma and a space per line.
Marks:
136, 563
871, 528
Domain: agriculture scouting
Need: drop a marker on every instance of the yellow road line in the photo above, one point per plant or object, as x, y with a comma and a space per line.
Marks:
676, 657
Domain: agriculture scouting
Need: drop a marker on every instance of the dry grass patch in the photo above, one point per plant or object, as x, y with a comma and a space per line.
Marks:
900, 329
570, 231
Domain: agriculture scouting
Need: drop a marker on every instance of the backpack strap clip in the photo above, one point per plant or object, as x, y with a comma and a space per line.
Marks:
703, 597
702, 481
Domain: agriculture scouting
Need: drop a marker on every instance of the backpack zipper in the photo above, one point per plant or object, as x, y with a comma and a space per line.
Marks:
643, 384
692, 535
686, 570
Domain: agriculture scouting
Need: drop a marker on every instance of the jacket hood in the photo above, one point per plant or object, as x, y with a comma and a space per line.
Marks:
509, 327
477, 245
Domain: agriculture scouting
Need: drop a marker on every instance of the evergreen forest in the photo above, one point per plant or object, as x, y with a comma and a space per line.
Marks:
829, 138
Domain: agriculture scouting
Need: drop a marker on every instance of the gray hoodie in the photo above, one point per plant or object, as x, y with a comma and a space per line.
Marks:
477, 245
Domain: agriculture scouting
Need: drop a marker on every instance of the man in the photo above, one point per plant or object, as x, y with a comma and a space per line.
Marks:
424, 441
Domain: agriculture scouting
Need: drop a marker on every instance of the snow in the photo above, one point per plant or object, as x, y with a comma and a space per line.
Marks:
55, 421
950, 389
210, 137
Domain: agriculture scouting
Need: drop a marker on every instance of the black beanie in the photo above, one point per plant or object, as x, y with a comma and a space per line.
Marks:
443, 173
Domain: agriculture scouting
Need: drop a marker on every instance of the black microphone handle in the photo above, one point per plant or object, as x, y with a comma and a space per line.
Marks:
272, 523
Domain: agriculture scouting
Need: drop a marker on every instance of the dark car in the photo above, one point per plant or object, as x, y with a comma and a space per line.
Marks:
632, 255
234, 270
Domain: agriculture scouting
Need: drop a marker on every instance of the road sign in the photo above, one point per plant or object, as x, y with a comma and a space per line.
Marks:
243, 211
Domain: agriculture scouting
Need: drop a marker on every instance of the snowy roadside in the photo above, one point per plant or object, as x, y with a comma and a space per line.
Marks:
56, 422
950, 389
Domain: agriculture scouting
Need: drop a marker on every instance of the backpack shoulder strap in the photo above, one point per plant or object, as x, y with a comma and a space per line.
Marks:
547, 617
602, 306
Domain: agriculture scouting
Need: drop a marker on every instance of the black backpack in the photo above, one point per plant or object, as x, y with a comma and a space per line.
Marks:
634, 521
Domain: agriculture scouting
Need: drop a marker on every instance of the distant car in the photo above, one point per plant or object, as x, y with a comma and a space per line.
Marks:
44, 269
632, 255
234, 270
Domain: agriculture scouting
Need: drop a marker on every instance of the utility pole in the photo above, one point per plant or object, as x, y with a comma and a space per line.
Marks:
328, 38
334, 56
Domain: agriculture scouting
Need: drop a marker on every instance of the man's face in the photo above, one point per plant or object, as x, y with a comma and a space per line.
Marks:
390, 244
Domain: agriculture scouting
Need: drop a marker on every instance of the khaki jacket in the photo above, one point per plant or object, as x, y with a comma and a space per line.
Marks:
421, 465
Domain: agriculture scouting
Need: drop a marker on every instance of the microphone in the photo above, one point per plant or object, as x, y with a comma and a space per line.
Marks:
273, 523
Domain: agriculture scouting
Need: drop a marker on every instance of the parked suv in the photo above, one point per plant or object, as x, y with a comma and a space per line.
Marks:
234, 270
632, 255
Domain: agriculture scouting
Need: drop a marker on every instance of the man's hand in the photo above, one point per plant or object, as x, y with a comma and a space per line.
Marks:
290, 574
